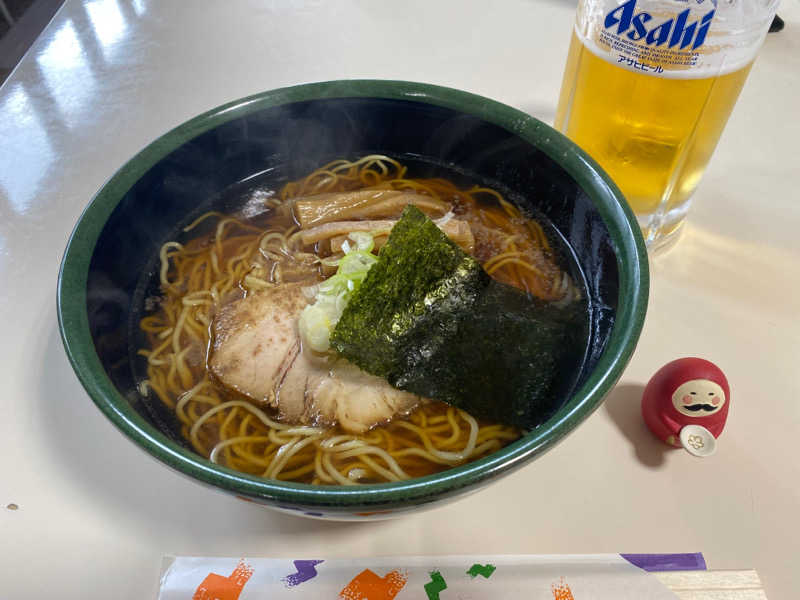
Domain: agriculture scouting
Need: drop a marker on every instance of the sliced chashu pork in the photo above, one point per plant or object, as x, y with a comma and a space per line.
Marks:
256, 351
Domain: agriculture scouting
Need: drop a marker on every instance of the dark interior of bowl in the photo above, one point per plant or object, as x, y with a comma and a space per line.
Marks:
271, 146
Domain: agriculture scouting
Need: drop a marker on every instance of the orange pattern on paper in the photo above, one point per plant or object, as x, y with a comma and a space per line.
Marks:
218, 587
562, 591
368, 586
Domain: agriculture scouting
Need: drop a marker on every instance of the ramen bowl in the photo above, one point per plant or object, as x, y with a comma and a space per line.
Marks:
283, 134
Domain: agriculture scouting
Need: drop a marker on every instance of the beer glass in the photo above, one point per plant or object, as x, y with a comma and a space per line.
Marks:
647, 90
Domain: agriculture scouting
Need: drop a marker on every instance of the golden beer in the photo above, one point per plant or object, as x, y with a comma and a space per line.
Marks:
653, 133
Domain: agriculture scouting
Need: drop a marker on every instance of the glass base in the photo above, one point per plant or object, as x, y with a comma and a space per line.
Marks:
664, 242
662, 230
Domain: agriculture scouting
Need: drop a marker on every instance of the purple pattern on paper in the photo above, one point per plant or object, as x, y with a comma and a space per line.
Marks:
305, 570
667, 562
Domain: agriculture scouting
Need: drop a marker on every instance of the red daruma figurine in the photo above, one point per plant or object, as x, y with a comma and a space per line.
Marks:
685, 404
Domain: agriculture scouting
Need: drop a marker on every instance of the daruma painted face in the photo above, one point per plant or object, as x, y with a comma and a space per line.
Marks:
698, 398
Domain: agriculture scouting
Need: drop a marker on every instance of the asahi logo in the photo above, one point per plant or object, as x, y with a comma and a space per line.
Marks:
676, 31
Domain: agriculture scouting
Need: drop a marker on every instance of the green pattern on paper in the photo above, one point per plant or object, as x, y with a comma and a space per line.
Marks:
478, 569
435, 585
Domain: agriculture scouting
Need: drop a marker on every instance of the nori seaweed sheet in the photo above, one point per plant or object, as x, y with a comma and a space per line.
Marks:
431, 321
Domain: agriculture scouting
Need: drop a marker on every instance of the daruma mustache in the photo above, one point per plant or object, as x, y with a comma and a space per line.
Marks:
699, 407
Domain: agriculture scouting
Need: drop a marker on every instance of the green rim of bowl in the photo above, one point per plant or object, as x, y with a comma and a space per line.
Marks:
632, 302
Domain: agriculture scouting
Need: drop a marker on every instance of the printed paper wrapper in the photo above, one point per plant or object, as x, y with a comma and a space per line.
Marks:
533, 577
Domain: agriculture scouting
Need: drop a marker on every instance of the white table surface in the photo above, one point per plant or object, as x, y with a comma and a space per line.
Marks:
96, 514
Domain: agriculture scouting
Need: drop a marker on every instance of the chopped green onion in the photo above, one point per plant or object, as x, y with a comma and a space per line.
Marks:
318, 320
